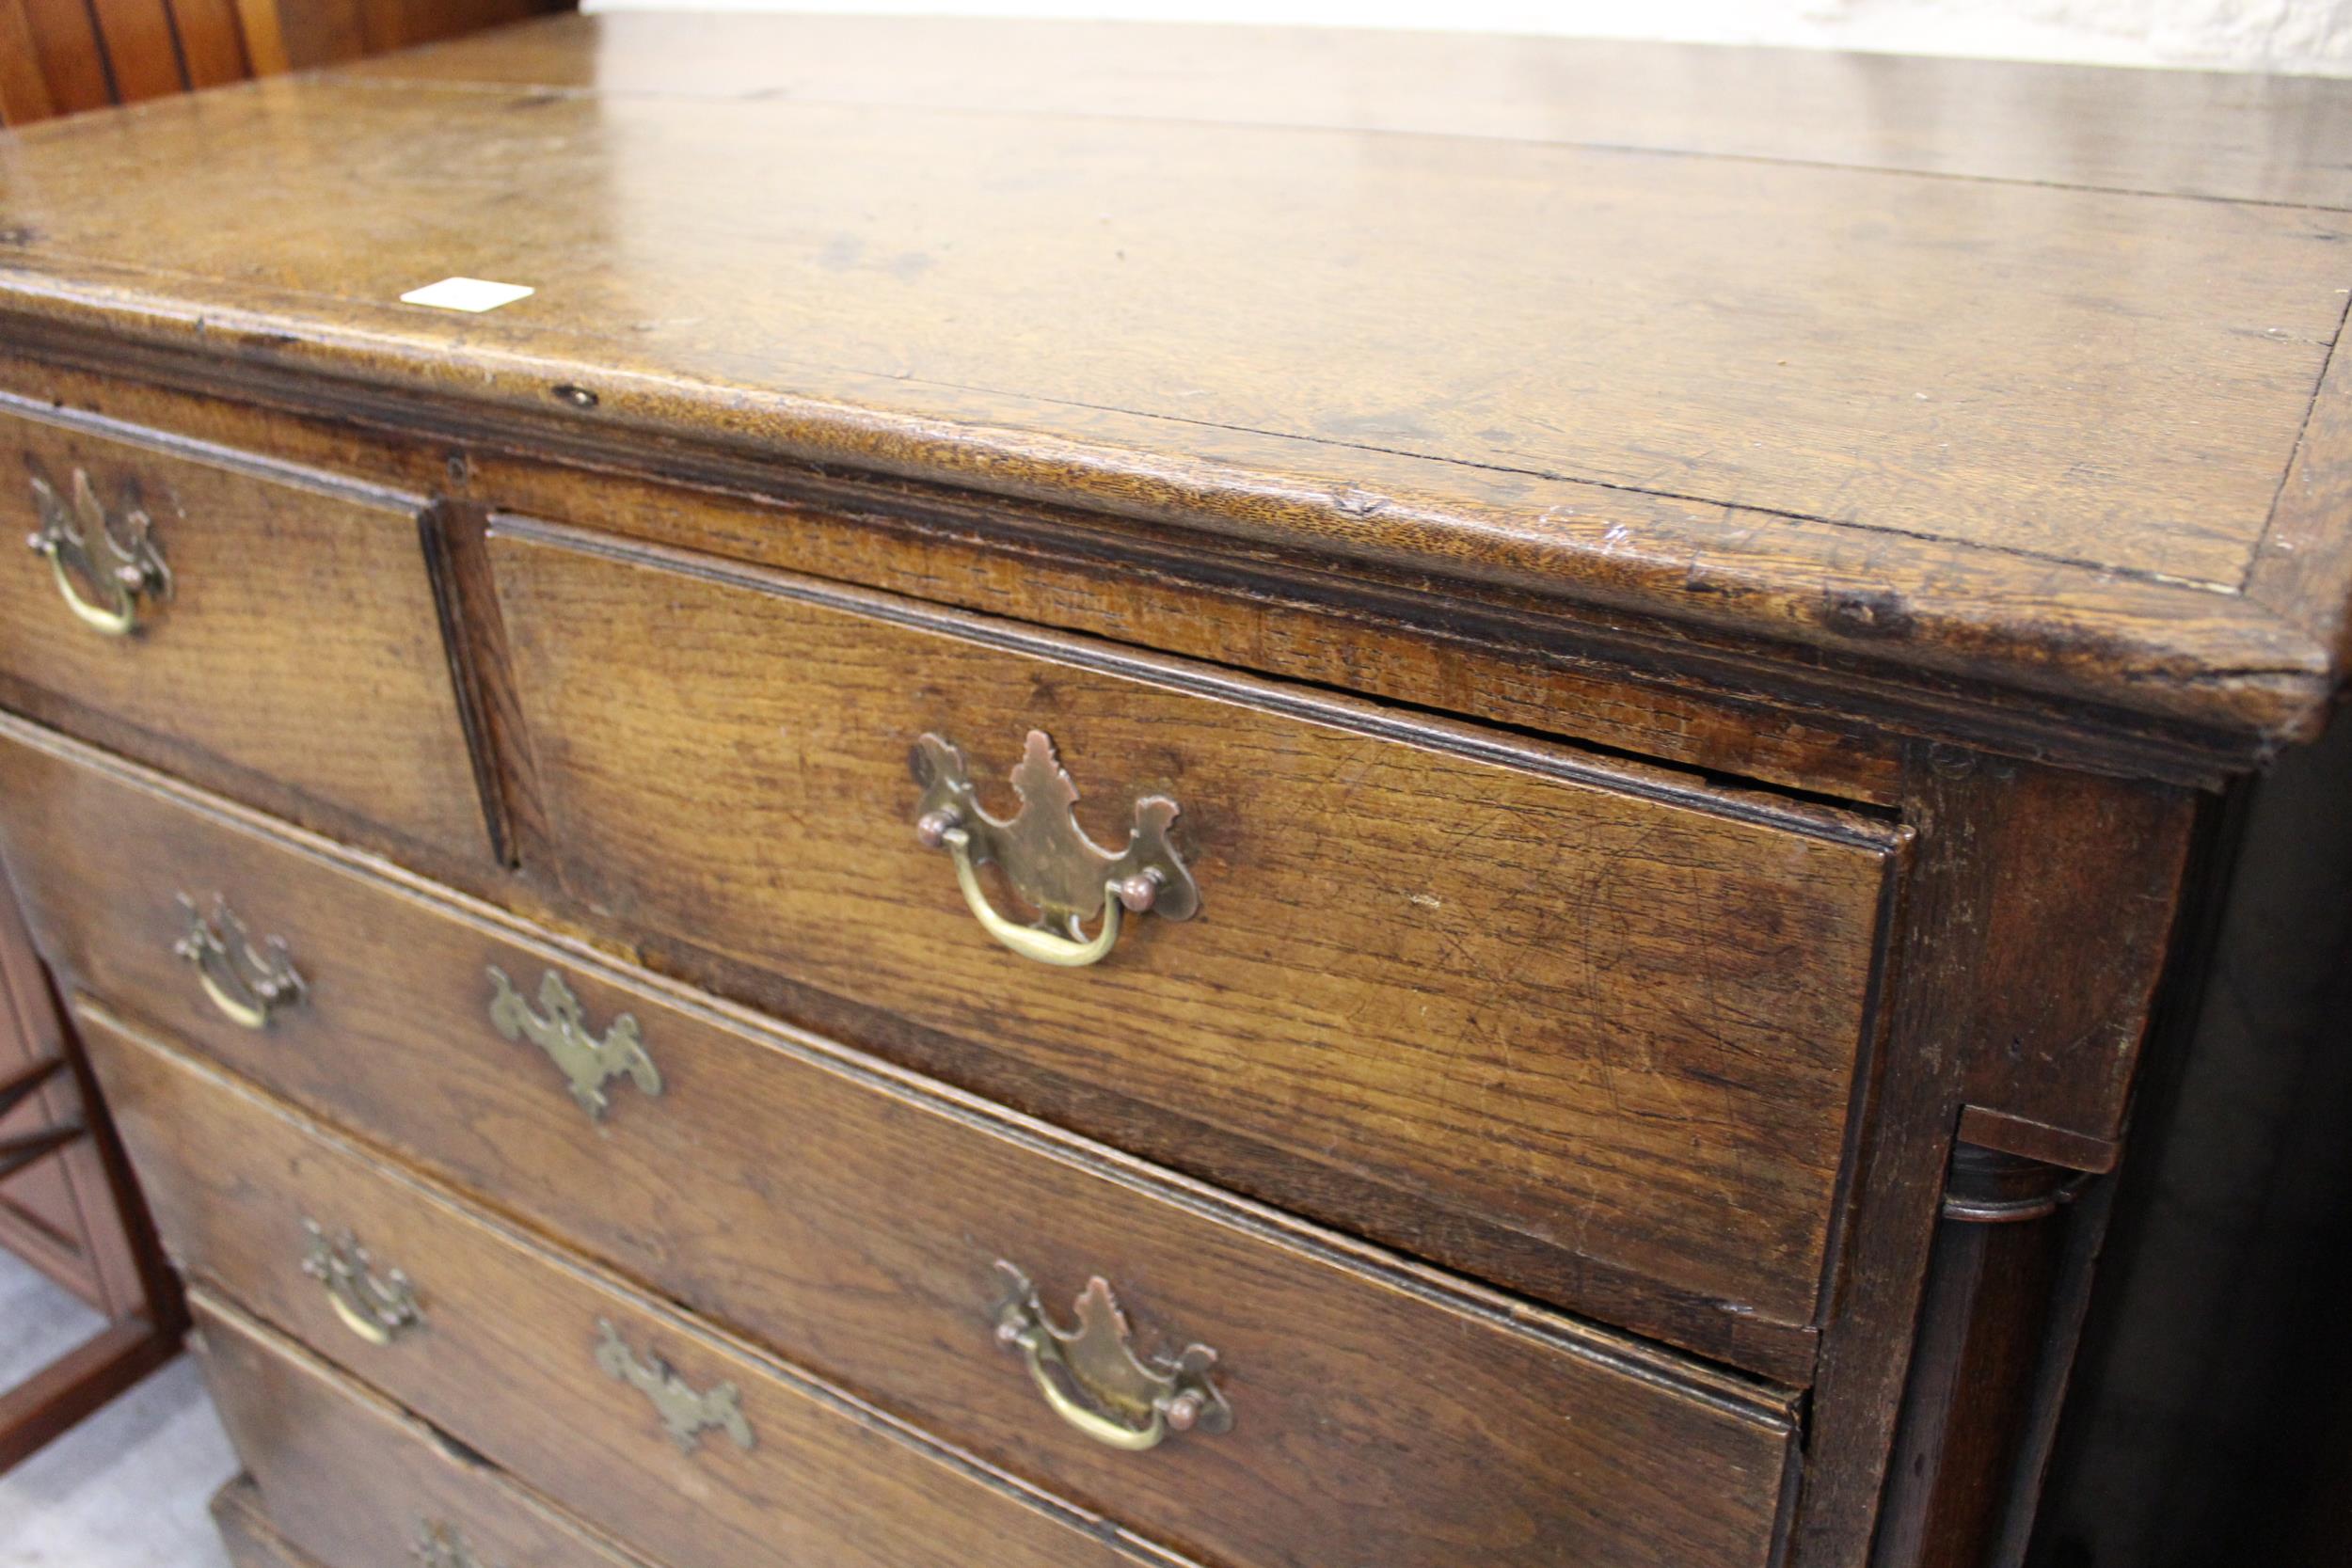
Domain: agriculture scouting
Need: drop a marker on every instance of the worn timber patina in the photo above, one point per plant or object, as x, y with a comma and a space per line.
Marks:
1897, 398
1599, 671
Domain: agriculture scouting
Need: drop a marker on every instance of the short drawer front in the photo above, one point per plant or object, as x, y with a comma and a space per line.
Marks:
855, 1220
290, 651
352, 1480
614, 1409
1559, 1025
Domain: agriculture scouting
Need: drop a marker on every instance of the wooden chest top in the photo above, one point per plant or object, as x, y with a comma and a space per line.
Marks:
2005, 384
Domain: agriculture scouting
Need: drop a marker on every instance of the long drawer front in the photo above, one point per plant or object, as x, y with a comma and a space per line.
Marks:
276, 636
613, 1407
1583, 1028
877, 1230
354, 1482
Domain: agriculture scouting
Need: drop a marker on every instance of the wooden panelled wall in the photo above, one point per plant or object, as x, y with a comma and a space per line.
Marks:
58, 56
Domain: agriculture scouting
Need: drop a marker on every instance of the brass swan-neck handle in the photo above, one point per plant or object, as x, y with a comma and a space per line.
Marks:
378, 1308
1092, 1377
246, 982
83, 546
1047, 857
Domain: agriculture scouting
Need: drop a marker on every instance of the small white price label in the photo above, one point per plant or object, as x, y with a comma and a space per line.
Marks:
466, 293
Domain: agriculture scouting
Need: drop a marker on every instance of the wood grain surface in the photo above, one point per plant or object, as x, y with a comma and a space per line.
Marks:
299, 644
2184, 132
852, 1220
506, 1361
1657, 692
246, 1529
1683, 594
1439, 979
1883, 408
353, 1481
505, 1364
2016, 869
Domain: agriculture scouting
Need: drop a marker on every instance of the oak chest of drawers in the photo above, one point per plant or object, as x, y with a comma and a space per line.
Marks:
1122, 796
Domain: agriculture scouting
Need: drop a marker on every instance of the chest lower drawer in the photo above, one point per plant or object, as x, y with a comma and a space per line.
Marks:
245, 1530
354, 1482
1588, 1030
570, 1381
263, 629
861, 1222
612, 1407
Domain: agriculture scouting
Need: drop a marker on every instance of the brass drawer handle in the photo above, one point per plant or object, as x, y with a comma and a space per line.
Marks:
441, 1546
377, 1308
1047, 858
247, 983
684, 1412
586, 1062
1093, 1378
73, 539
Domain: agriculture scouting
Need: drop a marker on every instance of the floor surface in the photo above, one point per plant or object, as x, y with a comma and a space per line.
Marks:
128, 1487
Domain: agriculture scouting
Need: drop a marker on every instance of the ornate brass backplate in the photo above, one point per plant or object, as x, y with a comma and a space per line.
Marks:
1093, 1379
442, 1546
120, 567
586, 1062
377, 1307
1047, 858
684, 1412
247, 983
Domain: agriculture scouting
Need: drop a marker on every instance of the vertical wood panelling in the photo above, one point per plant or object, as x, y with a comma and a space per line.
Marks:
65, 42
141, 51
62, 56
211, 50
320, 32
264, 37
399, 23
23, 93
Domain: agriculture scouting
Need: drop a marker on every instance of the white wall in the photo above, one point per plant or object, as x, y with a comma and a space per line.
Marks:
2309, 35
